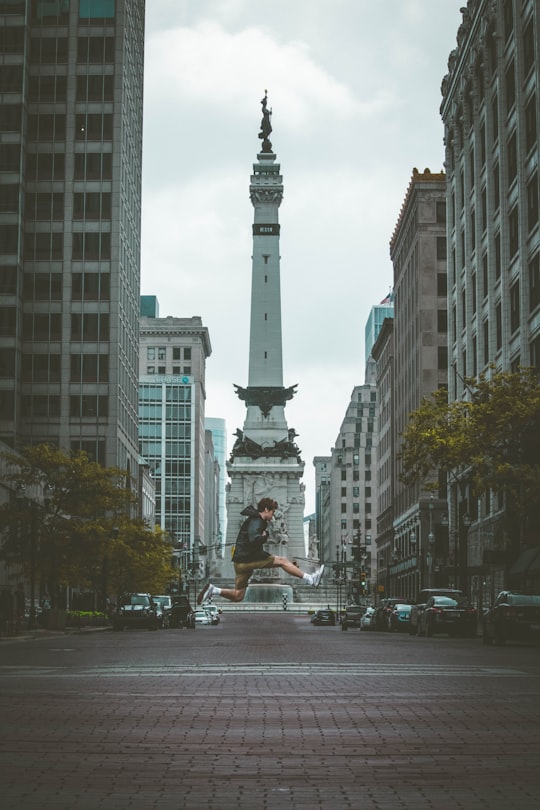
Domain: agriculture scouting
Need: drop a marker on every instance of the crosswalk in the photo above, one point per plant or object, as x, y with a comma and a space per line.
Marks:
330, 668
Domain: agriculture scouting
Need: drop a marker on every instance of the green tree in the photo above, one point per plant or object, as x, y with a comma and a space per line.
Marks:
491, 440
74, 517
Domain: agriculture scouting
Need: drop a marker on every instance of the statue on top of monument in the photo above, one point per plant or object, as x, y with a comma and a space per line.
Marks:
266, 126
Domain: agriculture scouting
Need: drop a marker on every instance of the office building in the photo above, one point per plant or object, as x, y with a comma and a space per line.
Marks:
491, 115
173, 353
420, 367
71, 104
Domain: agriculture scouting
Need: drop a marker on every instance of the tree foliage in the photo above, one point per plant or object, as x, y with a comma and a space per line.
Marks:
492, 438
72, 522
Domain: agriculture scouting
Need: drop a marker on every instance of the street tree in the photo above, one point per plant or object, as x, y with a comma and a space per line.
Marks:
491, 440
64, 526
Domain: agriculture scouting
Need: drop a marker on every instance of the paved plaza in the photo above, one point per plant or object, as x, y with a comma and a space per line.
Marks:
267, 711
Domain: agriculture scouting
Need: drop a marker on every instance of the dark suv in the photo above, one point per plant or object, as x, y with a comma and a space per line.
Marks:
353, 615
182, 614
420, 605
135, 610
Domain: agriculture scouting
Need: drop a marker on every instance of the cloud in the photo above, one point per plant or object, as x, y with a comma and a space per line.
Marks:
216, 69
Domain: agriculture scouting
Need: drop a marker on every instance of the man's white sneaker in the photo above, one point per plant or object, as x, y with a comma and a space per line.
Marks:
206, 594
316, 576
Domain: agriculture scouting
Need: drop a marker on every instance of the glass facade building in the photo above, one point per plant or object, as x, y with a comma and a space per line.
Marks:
71, 106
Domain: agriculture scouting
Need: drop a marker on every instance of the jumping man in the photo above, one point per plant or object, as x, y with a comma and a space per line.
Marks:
250, 555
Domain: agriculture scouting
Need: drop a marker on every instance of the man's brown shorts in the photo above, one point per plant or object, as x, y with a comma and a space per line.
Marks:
244, 571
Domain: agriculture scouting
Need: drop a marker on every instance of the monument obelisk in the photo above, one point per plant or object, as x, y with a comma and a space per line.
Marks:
265, 460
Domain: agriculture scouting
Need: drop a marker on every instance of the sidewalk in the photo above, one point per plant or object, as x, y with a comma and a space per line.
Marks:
40, 632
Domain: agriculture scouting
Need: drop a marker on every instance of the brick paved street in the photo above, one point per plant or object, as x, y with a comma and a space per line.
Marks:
267, 711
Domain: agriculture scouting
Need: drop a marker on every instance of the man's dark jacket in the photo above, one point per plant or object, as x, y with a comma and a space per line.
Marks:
250, 540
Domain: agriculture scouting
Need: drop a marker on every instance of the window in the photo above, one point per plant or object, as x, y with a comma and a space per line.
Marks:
43, 205
441, 212
528, 48
48, 50
93, 406
92, 327
534, 282
46, 127
92, 205
510, 82
150, 353
498, 326
43, 246
530, 123
161, 353
496, 186
442, 286
95, 88
511, 151
11, 78
90, 287
442, 321
441, 247
45, 166
41, 367
93, 166
442, 358
486, 341
95, 50
495, 116
89, 368
513, 230
47, 88
91, 246
10, 155
187, 354
514, 306
42, 327
8, 321
508, 18
93, 127
532, 202
42, 286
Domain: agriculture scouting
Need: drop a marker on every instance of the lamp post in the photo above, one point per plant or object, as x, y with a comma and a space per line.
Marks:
431, 541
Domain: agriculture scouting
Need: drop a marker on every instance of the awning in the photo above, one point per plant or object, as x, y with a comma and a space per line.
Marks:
527, 561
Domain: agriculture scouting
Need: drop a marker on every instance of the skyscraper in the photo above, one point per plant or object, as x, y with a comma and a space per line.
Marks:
491, 115
71, 96
173, 355
265, 460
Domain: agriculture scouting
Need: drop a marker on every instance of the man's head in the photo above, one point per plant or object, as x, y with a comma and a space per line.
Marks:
266, 508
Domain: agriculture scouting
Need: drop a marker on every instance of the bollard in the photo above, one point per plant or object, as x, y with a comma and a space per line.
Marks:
344, 625
284, 600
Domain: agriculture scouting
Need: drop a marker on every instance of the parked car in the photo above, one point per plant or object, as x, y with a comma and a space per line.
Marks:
202, 617
513, 617
136, 610
353, 615
324, 616
398, 619
182, 614
164, 602
366, 622
384, 609
213, 611
443, 614
419, 605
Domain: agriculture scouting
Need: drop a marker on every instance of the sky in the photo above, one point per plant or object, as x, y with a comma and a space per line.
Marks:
354, 89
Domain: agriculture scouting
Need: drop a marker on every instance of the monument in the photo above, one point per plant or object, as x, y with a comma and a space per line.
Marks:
265, 459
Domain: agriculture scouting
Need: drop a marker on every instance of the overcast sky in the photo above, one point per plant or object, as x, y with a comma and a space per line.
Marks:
354, 88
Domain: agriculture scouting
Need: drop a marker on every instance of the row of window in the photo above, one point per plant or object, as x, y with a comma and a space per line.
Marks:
176, 370
49, 246
92, 327
79, 406
53, 126
160, 352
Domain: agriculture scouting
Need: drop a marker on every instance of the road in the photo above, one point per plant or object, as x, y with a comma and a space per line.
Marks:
266, 711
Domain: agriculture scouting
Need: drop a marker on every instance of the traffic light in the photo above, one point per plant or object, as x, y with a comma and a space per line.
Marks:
363, 582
